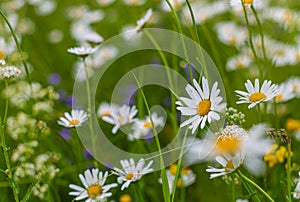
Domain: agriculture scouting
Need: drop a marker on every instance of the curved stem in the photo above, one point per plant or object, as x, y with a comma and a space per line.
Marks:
255, 185
88, 92
250, 38
5, 153
17, 44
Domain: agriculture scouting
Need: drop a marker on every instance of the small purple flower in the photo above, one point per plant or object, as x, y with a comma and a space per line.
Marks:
87, 154
149, 137
187, 71
65, 133
70, 101
54, 79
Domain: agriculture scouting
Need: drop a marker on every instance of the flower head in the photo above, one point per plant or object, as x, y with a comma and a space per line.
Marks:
255, 94
142, 22
143, 127
239, 2
81, 51
285, 92
94, 188
131, 172
121, 116
203, 105
296, 193
8, 72
75, 119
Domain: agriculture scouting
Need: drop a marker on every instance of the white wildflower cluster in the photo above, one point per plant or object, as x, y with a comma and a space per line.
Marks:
233, 116
23, 126
41, 167
124, 117
20, 93
40, 190
9, 72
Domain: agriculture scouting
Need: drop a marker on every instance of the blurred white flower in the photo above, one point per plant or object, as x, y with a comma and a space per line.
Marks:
8, 72
121, 116
81, 51
285, 92
142, 22
231, 34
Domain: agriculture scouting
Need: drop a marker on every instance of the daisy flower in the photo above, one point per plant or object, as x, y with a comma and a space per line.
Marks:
75, 119
255, 94
121, 116
131, 172
229, 164
239, 2
142, 22
94, 188
285, 92
186, 177
143, 128
203, 105
81, 51
235, 147
105, 109
9, 72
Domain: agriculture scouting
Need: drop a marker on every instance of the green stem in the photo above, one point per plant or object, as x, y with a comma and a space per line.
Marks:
258, 113
5, 153
260, 32
288, 172
169, 77
250, 38
182, 39
179, 164
88, 92
197, 37
255, 185
166, 191
17, 44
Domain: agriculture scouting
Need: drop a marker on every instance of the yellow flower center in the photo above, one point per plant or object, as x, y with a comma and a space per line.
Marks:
293, 124
279, 97
204, 107
228, 143
2, 54
106, 113
248, 1
173, 169
125, 198
255, 97
179, 183
129, 176
73, 122
147, 124
229, 166
94, 191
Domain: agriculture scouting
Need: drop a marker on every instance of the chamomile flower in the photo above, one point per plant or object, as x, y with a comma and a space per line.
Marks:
285, 92
295, 82
231, 34
105, 109
255, 94
94, 186
8, 72
239, 2
81, 51
142, 22
131, 172
186, 177
143, 127
121, 116
134, 2
75, 119
229, 164
203, 105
